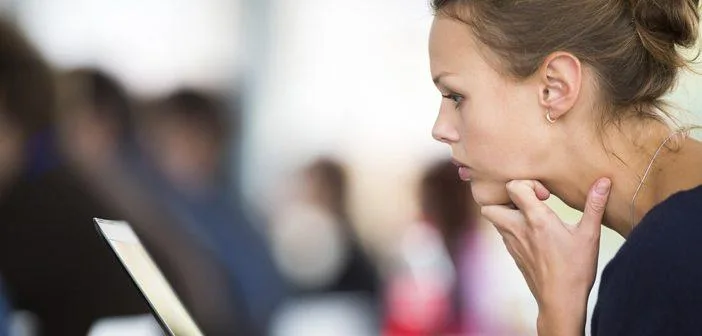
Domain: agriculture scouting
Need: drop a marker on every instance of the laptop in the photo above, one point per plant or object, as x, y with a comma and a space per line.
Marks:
165, 305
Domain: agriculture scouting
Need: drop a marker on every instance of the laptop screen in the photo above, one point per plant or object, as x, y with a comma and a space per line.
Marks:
148, 278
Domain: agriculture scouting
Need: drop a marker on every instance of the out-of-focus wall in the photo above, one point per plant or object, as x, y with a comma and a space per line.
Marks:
151, 45
350, 78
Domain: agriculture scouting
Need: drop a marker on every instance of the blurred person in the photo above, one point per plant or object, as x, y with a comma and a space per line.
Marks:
319, 252
26, 98
98, 132
444, 234
534, 105
419, 294
323, 206
186, 138
54, 264
448, 206
183, 141
96, 123
97, 128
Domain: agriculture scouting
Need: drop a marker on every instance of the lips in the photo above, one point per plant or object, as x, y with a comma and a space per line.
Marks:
463, 170
464, 173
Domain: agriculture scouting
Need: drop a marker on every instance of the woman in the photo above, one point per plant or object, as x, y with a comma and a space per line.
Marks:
434, 297
564, 97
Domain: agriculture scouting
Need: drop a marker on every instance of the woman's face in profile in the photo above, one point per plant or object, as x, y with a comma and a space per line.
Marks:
492, 123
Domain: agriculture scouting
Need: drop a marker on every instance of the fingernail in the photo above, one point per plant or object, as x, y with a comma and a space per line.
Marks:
602, 187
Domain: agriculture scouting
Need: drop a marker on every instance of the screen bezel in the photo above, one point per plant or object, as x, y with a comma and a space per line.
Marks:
112, 230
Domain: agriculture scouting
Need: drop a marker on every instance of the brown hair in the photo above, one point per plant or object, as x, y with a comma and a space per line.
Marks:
331, 178
26, 82
447, 203
206, 111
630, 44
97, 89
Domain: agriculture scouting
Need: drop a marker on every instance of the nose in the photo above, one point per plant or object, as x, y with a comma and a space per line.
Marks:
444, 131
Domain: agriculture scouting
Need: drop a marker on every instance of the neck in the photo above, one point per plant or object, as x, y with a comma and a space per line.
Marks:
675, 168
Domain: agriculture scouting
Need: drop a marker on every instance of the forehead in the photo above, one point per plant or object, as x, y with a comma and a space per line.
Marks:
452, 47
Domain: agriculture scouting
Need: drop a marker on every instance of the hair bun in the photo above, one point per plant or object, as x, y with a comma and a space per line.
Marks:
664, 24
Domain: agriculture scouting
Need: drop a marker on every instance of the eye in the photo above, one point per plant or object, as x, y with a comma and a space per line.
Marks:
456, 98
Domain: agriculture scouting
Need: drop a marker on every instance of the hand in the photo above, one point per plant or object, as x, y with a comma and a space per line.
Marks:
559, 262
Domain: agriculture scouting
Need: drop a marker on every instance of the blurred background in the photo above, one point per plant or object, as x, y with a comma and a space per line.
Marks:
275, 157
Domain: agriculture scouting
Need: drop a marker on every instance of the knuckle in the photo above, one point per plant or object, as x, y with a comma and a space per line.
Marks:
508, 230
530, 183
597, 205
512, 185
539, 217
503, 228
509, 244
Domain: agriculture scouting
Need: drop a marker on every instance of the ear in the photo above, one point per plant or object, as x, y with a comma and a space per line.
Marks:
560, 79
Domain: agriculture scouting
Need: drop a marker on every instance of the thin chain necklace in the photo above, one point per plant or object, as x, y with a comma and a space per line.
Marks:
648, 170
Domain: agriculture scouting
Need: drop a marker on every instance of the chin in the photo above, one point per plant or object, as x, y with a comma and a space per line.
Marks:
489, 193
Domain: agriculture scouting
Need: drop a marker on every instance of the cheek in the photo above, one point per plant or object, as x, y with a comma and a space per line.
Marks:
503, 141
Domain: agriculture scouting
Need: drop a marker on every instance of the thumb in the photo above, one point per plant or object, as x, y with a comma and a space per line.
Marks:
595, 205
541, 192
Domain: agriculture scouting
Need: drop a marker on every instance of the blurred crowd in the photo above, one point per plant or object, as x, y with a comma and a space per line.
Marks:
75, 144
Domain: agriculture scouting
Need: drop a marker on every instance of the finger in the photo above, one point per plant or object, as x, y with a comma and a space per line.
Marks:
523, 194
595, 205
506, 220
541, 192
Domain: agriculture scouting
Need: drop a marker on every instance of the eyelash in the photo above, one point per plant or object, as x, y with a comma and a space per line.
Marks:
457, 99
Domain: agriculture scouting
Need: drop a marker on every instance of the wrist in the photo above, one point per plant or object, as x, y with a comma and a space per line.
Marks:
565, 316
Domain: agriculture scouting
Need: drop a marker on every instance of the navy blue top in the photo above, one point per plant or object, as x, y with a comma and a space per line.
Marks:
653, 285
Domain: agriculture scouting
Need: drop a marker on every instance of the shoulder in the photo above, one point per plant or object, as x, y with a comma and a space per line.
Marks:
670, 229
656, 279
666, 240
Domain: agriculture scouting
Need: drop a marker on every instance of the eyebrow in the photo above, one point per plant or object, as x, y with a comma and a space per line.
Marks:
438, 77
